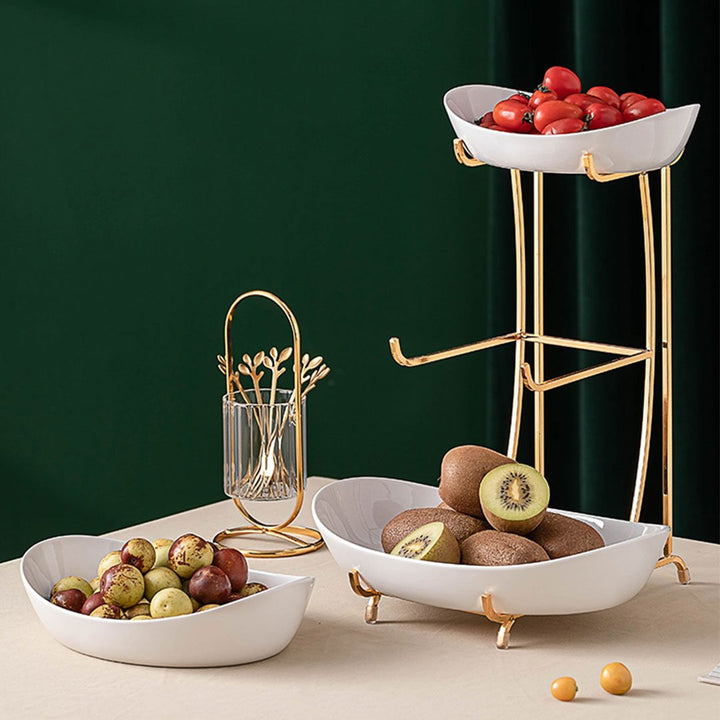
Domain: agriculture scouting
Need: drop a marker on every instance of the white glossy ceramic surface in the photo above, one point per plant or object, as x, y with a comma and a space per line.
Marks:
351, 514
254, 628
646, 144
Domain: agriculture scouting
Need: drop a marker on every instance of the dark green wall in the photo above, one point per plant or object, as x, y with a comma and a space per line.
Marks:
159, 158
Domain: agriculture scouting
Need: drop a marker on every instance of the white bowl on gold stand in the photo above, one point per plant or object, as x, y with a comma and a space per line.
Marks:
641, 145
351, 515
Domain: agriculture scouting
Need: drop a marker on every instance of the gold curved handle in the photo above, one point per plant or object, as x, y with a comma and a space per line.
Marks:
462, 155
588, 162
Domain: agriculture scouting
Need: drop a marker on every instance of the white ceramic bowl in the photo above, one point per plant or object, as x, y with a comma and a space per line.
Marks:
646, 144
254, 628
351, 514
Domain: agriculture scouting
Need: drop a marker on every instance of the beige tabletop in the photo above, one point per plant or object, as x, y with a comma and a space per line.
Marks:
417, 662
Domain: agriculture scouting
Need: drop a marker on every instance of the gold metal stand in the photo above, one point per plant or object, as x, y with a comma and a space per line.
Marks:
360, 587
294, 535
533, 378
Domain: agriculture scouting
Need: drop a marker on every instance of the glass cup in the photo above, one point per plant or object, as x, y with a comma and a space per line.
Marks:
260, 459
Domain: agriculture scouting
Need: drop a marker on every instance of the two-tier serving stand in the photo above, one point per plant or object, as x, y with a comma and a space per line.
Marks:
532, 376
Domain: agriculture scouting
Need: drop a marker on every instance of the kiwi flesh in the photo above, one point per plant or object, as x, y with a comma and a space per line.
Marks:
561, 536
459, 524
433, 542
514, 498
491, 547
461, 471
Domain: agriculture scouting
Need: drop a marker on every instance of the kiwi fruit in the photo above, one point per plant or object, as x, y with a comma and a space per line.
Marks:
514, 498
491, 547
433, 542
561, 536
459, 524
461, 471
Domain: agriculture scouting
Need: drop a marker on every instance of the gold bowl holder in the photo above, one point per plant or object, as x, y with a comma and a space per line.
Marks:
536, 381
295, 535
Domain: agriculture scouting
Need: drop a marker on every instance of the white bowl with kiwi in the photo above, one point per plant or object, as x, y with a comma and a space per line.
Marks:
565, 563
240, 631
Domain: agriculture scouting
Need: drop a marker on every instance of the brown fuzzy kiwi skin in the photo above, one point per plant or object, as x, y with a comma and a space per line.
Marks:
561, 536
461, 472
491, 547
459, 524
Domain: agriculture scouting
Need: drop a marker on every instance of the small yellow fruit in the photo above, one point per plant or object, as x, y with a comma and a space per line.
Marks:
564, 688
615, 678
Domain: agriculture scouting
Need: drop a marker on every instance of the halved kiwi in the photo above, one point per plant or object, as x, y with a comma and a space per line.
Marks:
433, 542
514, 498
459, 524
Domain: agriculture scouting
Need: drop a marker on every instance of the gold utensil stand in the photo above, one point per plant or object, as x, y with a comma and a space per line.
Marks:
532, 377
294, 539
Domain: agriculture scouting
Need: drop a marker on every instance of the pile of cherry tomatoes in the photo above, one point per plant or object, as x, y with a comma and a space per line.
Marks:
559, 106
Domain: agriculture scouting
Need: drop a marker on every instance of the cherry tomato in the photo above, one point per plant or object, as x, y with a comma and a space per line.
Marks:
582, 100
541, 96
563, 126
494, 126
606, 94
600, 115
555, 110
520, 97
561, 80
485, 120
628, 98
564, 688
642, 108
512, 115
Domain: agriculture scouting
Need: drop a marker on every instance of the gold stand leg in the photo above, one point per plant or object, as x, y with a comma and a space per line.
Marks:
667, 412
648, 391
371, 609
683, 573
520, 314
361, 588
506, 621
539, 319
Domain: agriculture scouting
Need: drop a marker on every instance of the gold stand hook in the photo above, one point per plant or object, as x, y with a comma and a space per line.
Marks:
506, 621
371, 609
462, 155
588, 163
683, 573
